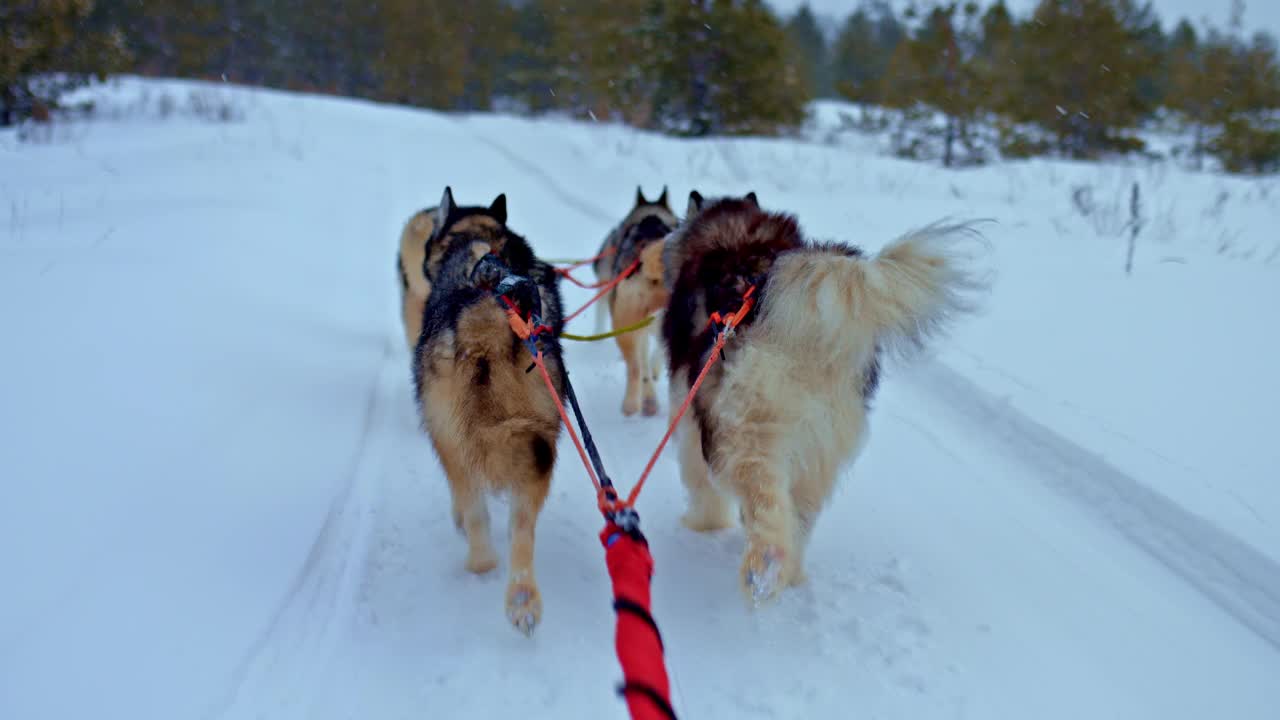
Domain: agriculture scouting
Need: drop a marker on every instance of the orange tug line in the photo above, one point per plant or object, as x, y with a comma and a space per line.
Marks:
637, 641
604, 289
524, 329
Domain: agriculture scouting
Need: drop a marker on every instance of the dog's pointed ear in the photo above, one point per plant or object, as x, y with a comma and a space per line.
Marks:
695, 202
751, 198
640, 196
445, 208
499, 208
662, 199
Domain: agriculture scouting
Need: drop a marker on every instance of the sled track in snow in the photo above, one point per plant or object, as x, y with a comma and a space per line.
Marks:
282, 667
1242, 581
547, 180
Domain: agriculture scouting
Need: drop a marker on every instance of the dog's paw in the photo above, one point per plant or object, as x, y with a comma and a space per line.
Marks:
650, 407
524, 606
481, 560
705, 522
762, 573
630, 406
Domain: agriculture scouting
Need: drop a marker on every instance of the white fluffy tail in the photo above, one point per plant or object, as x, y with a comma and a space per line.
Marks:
822, 300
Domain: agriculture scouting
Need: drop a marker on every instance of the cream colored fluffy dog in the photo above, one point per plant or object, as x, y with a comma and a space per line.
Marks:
774, 422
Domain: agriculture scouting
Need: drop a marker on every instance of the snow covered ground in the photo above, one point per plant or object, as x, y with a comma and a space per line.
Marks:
215, 501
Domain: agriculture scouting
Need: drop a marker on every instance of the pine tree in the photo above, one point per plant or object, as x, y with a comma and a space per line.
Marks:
528, 71
48, 48
994, 59
1197, 72
722, 68
602, 57
934, 71
755, 88
1249, 123
1081, 64
862, 51
809, 52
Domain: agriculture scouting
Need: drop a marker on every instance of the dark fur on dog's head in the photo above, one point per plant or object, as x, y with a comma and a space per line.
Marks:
475, 222
455, 255
637, 237
724, 247
612, 256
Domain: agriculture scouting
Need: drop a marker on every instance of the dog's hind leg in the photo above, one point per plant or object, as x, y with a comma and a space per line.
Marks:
657, 356
602, 316
634, 354
750, 468
809, 492
470, 509
526, 468
709, 510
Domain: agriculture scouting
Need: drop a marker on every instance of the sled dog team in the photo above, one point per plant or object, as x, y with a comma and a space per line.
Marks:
774, 421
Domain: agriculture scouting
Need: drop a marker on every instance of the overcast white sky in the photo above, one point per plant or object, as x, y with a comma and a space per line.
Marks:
1258, 14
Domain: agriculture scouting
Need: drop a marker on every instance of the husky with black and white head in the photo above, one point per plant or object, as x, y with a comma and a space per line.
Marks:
786, 408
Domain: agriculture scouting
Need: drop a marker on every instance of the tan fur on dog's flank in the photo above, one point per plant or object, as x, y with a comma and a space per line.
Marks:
787, 407
414, 285
633, 300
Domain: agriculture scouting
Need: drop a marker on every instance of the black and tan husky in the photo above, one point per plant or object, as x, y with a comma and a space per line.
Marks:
637, 239
777, 418
494, 426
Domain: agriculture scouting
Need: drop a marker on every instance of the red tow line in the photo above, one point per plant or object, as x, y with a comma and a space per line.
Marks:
636, 638
637, 641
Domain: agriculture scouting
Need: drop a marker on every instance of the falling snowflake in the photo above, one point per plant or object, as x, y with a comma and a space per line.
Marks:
1061, 110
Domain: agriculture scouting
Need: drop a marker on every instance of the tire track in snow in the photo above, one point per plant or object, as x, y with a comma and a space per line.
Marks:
278, 674
1244, 582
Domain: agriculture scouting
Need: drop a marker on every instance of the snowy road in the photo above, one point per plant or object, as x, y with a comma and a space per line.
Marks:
217, 502
949, 579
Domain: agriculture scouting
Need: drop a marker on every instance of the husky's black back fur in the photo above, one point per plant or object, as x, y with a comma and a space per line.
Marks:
635, 238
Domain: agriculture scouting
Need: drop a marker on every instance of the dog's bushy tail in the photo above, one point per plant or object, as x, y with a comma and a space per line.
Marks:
830, 301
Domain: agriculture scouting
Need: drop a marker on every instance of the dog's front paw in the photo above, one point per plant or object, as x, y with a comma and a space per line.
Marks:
650, 407
481, 559
524, 606
630, 406
762, 573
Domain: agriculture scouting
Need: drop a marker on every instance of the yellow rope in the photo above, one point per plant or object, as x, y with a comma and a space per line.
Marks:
605, 336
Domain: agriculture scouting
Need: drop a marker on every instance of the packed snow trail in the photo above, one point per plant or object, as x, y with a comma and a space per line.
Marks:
218, 502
